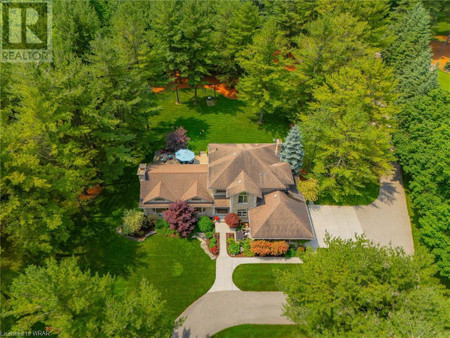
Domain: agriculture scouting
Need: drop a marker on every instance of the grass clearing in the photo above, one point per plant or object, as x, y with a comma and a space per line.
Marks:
229, 121
368, 195
259, 277
259, 331
444, 80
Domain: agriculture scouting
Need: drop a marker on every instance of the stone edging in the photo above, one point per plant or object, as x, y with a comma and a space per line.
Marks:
148, 234
205, 247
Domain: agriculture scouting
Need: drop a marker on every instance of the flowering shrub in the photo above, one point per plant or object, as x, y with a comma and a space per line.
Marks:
214, 250
177, 139
181, 217
261, 248
279, 248
232, 219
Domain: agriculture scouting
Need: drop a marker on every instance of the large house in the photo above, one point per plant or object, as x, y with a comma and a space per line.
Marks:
247, 179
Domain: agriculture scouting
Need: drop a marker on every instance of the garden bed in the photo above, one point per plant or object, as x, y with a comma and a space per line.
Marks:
231, 235
216, 236
136, 237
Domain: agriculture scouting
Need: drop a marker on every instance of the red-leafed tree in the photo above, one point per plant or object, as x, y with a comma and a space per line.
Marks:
261, 248
232, 219
181, 217
177, 139
279, 248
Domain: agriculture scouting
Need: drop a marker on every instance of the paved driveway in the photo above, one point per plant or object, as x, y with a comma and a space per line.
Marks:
216, 311
385, 221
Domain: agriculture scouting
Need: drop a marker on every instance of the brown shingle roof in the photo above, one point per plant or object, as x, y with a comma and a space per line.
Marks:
243, 183
283, 216
175, 181
259, 162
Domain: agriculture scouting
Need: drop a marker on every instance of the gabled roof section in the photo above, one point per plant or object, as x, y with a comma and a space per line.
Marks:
243, 183
175, 182
197, 190
282, 216
258, 161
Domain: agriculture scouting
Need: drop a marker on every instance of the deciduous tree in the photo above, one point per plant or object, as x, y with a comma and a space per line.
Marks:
359, 288
62, 296
181, 217
177, 139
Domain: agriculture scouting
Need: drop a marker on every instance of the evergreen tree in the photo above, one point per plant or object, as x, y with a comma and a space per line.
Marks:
348, 130
292, 151
234, 24
165, 21
266, 82
76, 24
410, 53
195, 46
44, 163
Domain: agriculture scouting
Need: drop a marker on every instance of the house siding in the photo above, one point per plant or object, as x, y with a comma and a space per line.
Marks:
235, 206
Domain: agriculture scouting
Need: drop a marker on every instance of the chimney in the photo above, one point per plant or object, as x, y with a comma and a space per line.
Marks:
278, 145
141, 171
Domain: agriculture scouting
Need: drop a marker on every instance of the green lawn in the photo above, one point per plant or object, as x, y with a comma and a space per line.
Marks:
259, 277
259, 331
229, 121
444, 80
368, 195
178, 268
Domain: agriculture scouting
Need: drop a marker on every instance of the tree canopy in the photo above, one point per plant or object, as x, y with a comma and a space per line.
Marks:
357, 288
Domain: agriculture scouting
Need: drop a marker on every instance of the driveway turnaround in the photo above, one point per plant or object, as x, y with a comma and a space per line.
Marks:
216, 311
385, 221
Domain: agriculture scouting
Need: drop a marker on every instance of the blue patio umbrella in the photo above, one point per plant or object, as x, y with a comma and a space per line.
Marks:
184, 155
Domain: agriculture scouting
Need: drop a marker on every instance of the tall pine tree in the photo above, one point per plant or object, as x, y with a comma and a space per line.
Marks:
410, 53
292, 151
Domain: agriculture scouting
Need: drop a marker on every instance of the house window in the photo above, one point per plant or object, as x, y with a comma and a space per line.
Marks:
159, 199
159, 210
196, 199
199, 210
221, 191
242, 213
243, 198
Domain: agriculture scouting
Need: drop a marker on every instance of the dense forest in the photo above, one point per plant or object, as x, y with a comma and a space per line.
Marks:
354, 76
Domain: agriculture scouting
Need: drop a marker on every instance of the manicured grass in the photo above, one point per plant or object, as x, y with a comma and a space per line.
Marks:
442, 28
229, 121
368, 195
259, 331
178, 268
259, 277
444, 80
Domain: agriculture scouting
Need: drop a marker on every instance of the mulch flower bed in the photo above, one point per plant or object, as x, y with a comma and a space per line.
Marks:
140, 236
231, 235
217, 237
91, 193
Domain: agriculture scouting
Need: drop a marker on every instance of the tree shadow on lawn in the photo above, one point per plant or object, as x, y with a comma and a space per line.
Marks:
105, 250
197, 129
275, 124
223, 105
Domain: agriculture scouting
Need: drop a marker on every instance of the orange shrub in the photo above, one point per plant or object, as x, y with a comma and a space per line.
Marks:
260, 248
279, 248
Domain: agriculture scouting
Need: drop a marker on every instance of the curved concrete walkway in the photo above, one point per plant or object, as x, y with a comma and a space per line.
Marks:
385, 221
216, 311
225, 264
225, 305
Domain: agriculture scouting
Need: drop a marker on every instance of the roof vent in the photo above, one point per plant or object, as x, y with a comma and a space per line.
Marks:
239, 181
276, 195
235, 153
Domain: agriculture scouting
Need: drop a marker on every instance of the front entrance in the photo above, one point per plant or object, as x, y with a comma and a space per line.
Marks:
222, 211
